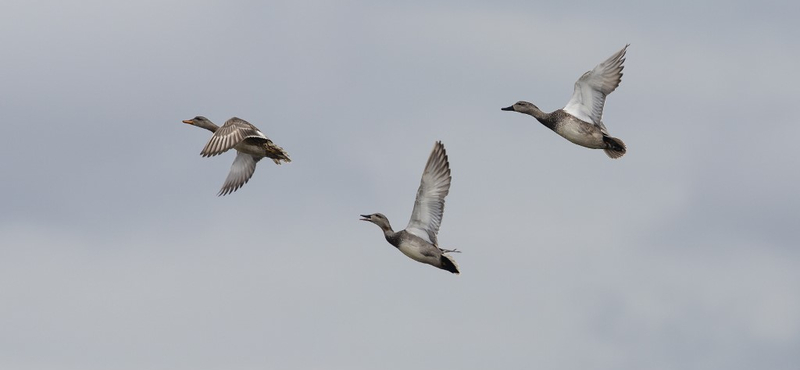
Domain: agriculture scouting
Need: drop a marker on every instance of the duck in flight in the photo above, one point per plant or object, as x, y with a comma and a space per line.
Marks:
418, 240
580, 121
250, 143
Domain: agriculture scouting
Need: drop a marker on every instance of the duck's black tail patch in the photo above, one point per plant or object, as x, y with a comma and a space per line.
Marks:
615, 148
449, 264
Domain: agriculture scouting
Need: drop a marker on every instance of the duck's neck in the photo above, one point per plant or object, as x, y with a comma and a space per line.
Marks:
543, 117
387, 230
210, 126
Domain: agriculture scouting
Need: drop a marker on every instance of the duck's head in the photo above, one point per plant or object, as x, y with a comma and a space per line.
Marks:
377, 219
201, 121
521, 107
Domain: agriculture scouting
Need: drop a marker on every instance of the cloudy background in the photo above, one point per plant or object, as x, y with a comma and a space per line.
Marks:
116, 253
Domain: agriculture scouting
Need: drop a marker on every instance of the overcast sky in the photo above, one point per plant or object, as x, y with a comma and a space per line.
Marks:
116, 253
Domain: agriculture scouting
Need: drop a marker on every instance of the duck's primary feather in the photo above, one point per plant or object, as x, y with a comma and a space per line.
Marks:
241, 171
429, 205
591, 89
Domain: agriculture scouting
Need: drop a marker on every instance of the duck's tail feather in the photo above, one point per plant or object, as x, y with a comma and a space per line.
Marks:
449, 264
276, 153
615, 148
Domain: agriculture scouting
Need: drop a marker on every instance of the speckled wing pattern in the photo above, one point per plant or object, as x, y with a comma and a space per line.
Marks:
592, 88
433, 188
231, 133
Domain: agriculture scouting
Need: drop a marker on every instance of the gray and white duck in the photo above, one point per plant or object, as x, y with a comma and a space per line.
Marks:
250, 143
419, 239
581, 120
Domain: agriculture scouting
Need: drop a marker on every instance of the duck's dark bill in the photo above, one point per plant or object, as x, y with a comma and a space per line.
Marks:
511, 108
365, 217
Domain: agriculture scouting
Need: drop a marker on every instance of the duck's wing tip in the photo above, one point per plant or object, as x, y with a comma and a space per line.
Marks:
240, 173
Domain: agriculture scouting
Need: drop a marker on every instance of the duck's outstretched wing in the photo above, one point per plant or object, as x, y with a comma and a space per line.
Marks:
429, 206
592, 88
241, 171
231, 133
